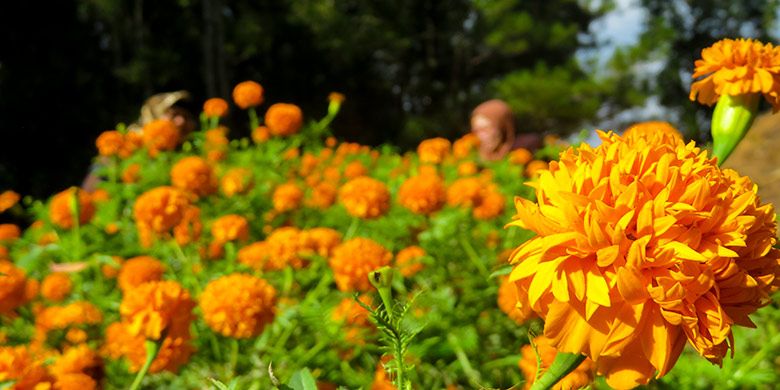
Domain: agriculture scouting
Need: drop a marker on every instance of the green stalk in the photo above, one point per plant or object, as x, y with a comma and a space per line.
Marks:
213, 122
254, 122
152, 348
563, 364
233, 356
230, 256
472, 254
75, 211
352, 228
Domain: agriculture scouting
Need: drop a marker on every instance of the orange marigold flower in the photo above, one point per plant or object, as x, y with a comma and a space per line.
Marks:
60, 208
190, 227
491, 205
467, 168
365, 197
9, 232
18, 365
433, 150
408, 260
12, 287
248, 94
139, 270
111, 271
354, 318
323, 195
255, 255
215, 107
284, 119
291, 153
423, 194
261, 134
463, 146
131, 173
737, 67
230, 227
195, 175
236, 181
132, 142
8, 199
287, 197
354, 259
580, 378
79, 359
382, 380
159, 210
157, 307
482, 196
520, 156
238, 305
55, 287
656, 130
285, 246
100, 195
62, 317
641, 242
174, 351
321, 241
535, 167
75, 381
109, 143
336, 97
508, 302
160, 135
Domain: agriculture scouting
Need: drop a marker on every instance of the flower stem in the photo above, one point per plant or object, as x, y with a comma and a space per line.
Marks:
472, 254
75, 212
254, 122
233, 357
563, 364
152, 348
352, 228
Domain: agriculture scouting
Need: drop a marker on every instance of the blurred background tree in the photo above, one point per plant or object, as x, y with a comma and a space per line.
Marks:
410, 69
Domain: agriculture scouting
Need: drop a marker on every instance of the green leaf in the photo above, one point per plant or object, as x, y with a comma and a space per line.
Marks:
303, 380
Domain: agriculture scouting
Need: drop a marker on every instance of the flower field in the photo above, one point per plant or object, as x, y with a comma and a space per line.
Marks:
295, 260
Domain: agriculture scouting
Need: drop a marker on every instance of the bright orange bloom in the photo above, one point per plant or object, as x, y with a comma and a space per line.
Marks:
195, 175
284, 119
79, 359
158, 210
174, 352
737, 67
433, 150
18, 365
365, 197
12, 287
520, 156
479, 194
109, 143
287, 197
74, 314
255, 255
580, 378
215, 107
467, 168
190, 227
408, 260
661, 130
423, 194
9, 232
131, 173
382, 380
132, 142
320, 240
236, 181
238, 305
261, 134
323, 195
8, 199
508, 302
463, 146
160, 135
336, 97
641, 246
355, 169
60, 208
230, 227
354, 318
139, 270
353, 260
535, 167
284, 246
154, 308
248, 94
111, 270
55, 287
75, 381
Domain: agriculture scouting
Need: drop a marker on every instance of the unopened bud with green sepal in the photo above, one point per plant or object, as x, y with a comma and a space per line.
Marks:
731, 120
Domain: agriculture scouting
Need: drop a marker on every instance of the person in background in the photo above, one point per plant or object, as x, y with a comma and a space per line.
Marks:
494, 124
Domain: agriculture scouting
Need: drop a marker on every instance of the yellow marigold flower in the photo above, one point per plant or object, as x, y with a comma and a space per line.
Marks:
467, 168
287, 197
238, 305
55, 287
284, 119
190, 227
236, 181
8, 199
423, 194
139, 270
321, 241
18, 365
643, 242
737, 67
157, 307
217, 107
75, 381
9, 232
60, 211
174, 351
433, 150
160, 135
131, 173
160, 209
520, 156
261, 134
365, 197
79, 359
508, 302
195, 175
73, 314
580, 378
230, 227
463, 146
535, 167
12, 287
354, 259
408, 260
248, 94
323, 195
109, 143
658, 131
